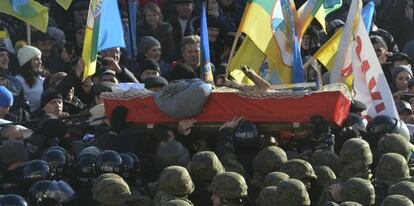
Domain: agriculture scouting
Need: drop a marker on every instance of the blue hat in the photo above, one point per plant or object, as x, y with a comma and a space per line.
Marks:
6, 97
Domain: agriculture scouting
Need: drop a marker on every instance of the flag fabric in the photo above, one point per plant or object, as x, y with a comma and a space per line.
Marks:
342, 68
28, 11
327, 7
259, 22
298, 74
368, 14
370, 84
103, 31
306, 13
206, 73
64, 3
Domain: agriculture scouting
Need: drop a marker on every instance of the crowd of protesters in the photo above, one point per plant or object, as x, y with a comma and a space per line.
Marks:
58, 148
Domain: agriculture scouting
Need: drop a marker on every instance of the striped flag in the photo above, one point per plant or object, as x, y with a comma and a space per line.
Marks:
306, 13
103, 31
28, 11
207, 72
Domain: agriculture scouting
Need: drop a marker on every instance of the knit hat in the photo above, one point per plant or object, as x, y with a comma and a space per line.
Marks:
156, 81
6, 97
26, 53
147, 42
13, 151
150, 64
398, 69
48, 95
56, 34
3, 48
183, 71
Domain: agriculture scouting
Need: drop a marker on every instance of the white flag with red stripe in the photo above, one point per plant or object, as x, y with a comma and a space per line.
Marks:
370, 85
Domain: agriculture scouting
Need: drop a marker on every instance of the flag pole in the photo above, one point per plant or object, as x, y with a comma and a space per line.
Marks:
131, 42
28, 34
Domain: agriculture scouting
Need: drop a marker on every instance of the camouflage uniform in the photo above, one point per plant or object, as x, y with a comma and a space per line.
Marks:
230, 186
358, 190
390, 168
204, 167
326, 158
174, 183
269, 159
110, 189
356, 157
291, 192
397, 200
267, 196
273, 179
405, 188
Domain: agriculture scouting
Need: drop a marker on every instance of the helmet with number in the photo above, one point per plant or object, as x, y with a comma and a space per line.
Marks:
12, 200
298, 169
355, 150
358, 190
391, 167
85, 169
108, 161
129, 167
205, 166
58, 162
291, 192
383, 124
356, 122
175, 180
246, 132
229, 185
394, 200
34, 171
269, 159
46, 192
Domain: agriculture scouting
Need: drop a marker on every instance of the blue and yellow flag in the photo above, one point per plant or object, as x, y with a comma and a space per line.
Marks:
206, 73
103, 31
64, 3
28, 11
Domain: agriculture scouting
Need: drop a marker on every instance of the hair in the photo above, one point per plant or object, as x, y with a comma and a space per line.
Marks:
29, 76
375, 39
191, 39
154, 8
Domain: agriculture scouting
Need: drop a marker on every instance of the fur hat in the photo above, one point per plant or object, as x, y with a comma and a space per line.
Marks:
26, 53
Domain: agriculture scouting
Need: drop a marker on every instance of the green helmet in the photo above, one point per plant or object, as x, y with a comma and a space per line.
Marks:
269, 159
349, 203
274, 178
324, 174
267, 196
110, 189
176, 202
355, 169
358, 190
231, 164
173, 153
391, 167
326, 158
396, 200
394, 143
205, 166
356, 149
405, 188
228, 185
291, 192
298, 169
175, 180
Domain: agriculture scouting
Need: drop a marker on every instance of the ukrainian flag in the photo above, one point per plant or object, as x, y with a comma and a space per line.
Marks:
28, 11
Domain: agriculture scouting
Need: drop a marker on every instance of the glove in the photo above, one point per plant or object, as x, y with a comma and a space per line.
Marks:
118, 120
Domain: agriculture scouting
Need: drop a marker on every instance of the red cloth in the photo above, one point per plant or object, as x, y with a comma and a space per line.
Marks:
222, 107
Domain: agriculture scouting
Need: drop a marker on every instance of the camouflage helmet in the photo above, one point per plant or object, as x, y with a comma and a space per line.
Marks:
291, 192
358, 190
231, 164
396, 200
267, 196
356, 149
298, 169
269, 159
405, 188
176, 202
110, 189
391, 167
394, 143
350, 203
326, 158
324, 174
228, 185
175, 180
204, 166
172, 153
274, 178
